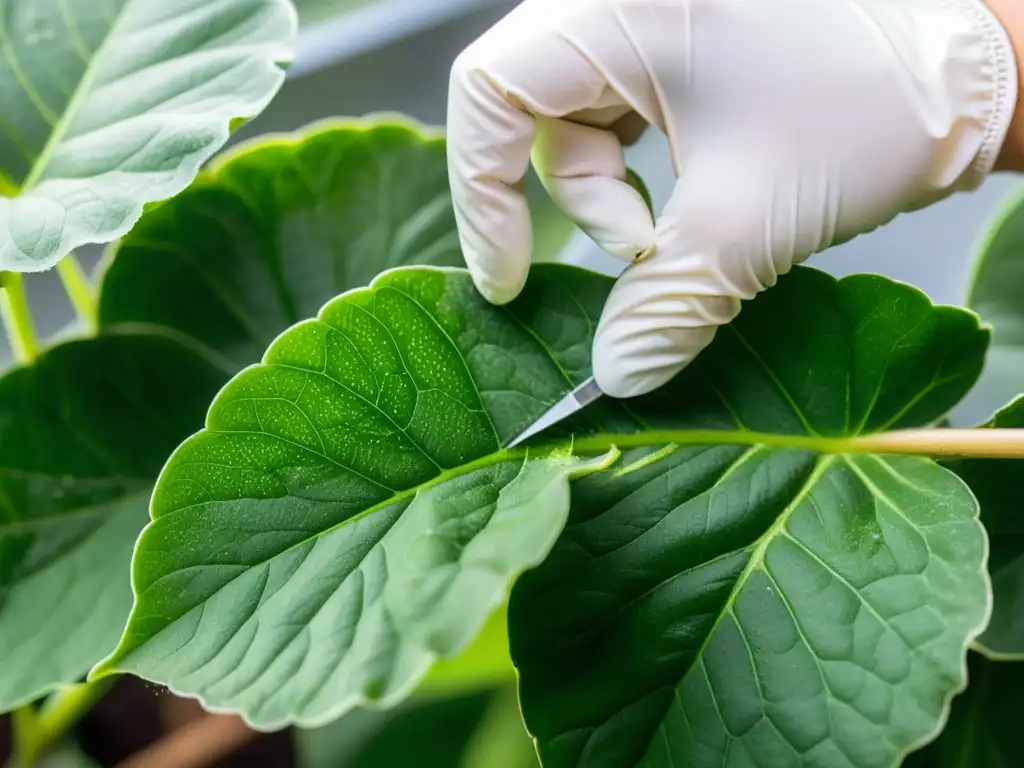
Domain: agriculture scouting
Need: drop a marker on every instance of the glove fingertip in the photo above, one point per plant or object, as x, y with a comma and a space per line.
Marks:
624, 370
496, 292
634, 355
623, 382
497, 246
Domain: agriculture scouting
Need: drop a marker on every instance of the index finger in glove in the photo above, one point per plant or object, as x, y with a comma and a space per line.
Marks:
514, 72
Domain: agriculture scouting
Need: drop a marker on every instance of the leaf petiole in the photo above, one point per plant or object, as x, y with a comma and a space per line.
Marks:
25, 726
36, 730
62, 711
936, 443
80, 291
17, 318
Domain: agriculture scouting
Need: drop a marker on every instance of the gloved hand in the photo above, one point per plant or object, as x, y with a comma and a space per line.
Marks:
793, 124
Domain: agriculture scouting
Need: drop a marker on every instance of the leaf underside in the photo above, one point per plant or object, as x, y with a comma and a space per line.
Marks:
111, 105
56, 623
791, 576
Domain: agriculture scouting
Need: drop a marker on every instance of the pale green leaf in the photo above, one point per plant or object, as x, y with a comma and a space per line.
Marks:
391, 547
250, 245
106, 105
55, 624
351, 615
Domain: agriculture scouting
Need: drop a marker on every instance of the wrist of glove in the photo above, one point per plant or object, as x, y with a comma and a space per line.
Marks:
792, 124
1010, 13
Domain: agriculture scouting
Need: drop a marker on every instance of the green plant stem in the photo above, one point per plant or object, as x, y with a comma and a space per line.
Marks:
937, 443
17, 318
35, 731
80, 291
25, 726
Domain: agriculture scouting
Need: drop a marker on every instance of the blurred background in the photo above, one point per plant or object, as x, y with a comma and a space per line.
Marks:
362, 56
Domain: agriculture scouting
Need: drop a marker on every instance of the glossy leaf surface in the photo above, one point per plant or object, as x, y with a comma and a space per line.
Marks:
997, 485
287, 568
106, 106
83, 433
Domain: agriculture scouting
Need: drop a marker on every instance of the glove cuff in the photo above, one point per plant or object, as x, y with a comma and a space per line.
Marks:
989, 84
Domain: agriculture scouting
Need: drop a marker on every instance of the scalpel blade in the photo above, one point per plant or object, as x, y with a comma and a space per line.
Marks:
579, 398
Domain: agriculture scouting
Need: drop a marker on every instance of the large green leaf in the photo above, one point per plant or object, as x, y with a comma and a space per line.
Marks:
272, 580
347, 516
761, 604
997, 485
275, 229
983, 730
997, 294
280, 226
91, 423
83, 433
106, 106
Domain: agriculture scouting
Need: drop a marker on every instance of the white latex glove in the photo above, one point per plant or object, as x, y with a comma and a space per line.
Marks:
793, 124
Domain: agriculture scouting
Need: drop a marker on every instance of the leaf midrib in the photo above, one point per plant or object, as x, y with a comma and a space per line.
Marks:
81, 91
595, 444
592, 444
